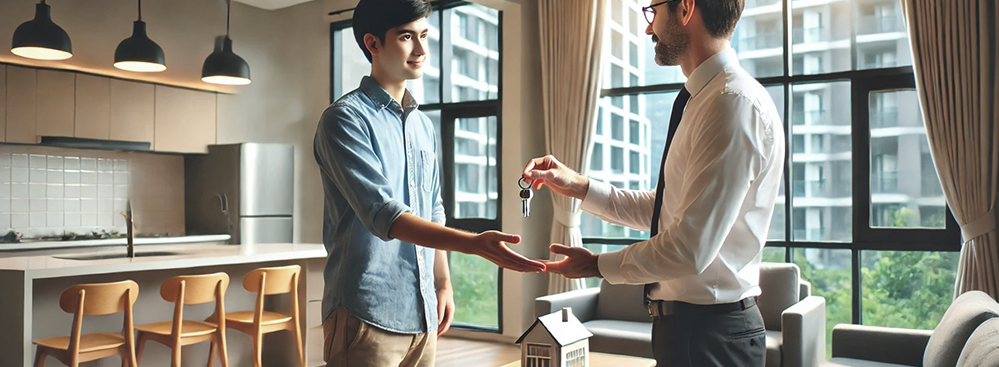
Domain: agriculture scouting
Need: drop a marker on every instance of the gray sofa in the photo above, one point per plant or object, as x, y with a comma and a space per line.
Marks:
956, 341
621, 325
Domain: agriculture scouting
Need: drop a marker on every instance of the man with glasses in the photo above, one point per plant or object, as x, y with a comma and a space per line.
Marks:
711, 209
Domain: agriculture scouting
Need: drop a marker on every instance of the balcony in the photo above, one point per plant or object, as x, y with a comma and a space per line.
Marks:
812, 118
884, 118
884, 183
760, 42
874, 24
760, 3
808, 35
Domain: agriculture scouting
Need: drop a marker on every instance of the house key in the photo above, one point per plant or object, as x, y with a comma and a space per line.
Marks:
525, 198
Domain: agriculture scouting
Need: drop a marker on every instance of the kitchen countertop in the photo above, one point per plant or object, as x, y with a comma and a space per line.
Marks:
169, 256
45, 245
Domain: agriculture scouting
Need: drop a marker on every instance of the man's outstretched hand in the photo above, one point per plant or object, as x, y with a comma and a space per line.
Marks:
578, 262
492, 247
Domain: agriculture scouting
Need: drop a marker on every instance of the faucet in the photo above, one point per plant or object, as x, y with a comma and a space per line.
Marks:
130, 240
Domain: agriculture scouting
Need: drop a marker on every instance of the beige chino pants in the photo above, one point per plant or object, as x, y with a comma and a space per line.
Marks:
350, 342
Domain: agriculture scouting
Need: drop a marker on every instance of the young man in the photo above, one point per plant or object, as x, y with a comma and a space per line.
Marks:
388, 293
711, 210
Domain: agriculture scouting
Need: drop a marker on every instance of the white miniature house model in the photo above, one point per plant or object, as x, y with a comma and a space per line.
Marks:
560, 341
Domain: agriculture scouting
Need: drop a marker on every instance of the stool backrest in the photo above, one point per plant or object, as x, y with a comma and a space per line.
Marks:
99, 298
195, 289
275, 280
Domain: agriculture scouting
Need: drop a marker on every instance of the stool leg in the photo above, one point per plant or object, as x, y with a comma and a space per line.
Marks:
223, 348
40, 357
141, 343
298, 341
258, 340
211, 352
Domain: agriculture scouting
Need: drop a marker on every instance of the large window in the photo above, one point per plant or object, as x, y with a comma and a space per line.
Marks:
459, 91
860, 209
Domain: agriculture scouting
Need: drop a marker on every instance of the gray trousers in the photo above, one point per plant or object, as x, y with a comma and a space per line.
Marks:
699, 337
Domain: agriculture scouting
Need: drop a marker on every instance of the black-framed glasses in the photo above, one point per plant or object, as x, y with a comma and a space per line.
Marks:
650, 11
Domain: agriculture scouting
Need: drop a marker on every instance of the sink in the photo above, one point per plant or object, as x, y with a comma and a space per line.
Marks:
115, 255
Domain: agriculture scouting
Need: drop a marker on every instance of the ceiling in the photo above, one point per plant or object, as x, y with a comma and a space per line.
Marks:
272, 4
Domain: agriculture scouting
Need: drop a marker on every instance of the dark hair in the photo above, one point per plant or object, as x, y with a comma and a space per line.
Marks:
378, 16
719, 16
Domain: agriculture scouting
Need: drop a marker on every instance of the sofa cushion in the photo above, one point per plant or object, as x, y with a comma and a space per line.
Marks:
622, 302
779, 290
982, 348
621, 337
961, 319
773, 348
850, 362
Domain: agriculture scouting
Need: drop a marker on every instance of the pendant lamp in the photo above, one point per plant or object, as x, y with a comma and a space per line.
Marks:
40, 38
138, 52
223, 66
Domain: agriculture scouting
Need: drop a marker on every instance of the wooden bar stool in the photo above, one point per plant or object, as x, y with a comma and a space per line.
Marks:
265, 282
93, 300
190, 290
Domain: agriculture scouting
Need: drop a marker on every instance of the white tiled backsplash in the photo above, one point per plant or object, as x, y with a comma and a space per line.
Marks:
47, 191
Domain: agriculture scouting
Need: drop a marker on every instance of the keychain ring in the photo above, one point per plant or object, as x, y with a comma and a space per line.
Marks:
521, 185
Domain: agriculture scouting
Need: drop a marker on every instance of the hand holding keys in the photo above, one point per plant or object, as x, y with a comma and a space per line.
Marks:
525, 198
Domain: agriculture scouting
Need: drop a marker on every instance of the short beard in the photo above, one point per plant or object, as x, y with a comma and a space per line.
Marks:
669, 55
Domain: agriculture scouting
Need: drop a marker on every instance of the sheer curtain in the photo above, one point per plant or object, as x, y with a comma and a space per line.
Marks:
955, 60
571, 37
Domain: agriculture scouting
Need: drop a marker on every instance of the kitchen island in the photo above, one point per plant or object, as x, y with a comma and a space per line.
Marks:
33, 281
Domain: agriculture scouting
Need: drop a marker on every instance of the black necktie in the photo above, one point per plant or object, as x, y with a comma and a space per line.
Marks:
674, 121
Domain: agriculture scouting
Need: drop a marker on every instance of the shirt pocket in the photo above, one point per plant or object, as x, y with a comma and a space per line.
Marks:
428, 161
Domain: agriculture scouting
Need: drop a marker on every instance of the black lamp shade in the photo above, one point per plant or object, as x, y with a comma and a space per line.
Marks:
225, 67
40, 38
138, 52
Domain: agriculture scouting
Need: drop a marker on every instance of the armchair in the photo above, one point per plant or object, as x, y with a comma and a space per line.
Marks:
859, 345
620, 323
795, 320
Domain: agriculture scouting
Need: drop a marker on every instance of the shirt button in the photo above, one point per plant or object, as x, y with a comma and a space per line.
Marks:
412, 183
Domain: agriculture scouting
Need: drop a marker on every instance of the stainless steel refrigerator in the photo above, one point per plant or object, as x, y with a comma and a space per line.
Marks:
245, 190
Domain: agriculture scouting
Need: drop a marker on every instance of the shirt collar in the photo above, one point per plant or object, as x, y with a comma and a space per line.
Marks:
709, 68
381, 98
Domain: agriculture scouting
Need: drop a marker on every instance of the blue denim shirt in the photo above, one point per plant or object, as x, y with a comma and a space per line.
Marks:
378, 160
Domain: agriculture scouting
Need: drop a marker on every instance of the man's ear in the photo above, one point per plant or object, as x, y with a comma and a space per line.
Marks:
686, 11
372, 43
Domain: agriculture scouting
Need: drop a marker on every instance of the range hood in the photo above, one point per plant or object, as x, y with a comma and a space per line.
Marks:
82, 143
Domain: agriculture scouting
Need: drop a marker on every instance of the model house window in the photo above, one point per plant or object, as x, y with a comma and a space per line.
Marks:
859, 183
460, 92
539, 355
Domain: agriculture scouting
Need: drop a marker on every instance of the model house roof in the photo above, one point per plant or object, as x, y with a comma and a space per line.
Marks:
564, 332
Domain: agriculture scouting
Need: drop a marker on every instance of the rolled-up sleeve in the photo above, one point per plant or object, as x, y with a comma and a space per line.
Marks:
345, 154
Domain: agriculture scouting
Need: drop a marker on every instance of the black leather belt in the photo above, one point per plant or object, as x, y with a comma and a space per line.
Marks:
666, 308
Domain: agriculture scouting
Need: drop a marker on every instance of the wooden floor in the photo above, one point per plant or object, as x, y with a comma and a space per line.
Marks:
457, 352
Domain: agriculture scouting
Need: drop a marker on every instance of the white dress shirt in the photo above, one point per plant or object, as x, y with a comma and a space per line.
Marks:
722, 178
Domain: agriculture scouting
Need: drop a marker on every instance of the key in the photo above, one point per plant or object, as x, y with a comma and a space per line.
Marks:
525, 202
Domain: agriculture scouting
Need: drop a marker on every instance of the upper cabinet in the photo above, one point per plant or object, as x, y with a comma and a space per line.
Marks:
185, 120
132, 111
42, 102
56, 103
93, 107
22, 84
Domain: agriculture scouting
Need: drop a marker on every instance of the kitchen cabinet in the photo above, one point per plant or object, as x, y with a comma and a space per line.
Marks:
3, 103
131, 111
93, 107
22, 84
184, 120
56, 103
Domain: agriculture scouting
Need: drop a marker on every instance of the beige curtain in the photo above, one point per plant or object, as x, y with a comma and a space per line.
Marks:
955, 59
571, 37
